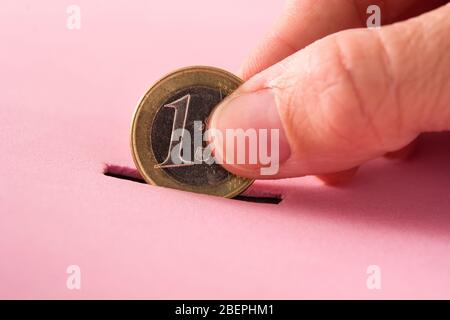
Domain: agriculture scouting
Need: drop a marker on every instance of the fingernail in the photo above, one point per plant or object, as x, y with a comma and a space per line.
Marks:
255, 110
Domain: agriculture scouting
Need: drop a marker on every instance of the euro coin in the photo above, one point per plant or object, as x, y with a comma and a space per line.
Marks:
168, 124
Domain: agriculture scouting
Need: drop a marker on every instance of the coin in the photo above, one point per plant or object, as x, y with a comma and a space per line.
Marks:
178, 103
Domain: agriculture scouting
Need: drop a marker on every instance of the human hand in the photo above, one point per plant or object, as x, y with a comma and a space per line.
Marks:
342, 94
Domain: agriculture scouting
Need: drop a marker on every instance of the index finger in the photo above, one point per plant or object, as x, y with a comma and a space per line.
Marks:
305, 21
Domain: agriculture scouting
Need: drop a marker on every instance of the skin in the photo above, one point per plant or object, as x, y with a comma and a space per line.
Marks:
342, 94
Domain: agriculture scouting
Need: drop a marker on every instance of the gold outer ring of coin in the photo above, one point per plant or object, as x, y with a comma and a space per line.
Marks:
146, 111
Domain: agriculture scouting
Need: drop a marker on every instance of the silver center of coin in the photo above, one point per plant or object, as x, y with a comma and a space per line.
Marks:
182, 110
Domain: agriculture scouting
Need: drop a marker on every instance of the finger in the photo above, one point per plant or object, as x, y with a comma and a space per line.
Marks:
348, 98
404, 153
338, 178
305, 21
342, 177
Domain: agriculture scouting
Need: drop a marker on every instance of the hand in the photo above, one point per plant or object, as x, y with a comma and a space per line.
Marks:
342, 94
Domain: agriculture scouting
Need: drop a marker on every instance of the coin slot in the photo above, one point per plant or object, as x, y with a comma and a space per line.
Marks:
273, 199
130, 174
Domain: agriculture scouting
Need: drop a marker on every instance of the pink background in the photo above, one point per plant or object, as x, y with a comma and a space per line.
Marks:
66, 103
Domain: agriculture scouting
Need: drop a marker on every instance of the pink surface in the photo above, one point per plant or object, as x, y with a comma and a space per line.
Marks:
65, 107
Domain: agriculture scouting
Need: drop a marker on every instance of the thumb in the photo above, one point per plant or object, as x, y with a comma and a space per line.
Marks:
347, 98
